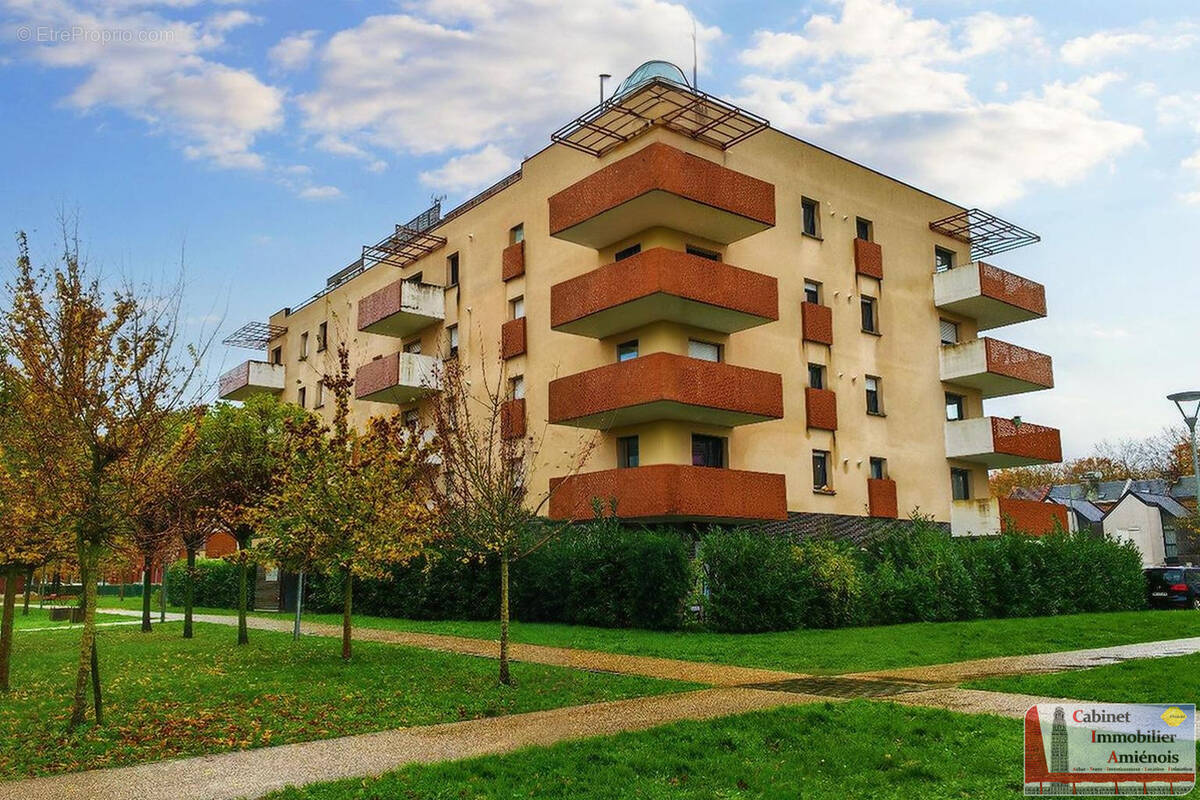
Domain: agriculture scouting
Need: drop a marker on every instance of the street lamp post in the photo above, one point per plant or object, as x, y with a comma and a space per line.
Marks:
1193, 400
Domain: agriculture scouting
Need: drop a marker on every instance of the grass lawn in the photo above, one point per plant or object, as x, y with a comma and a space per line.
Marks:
40, 618
856, 749
167, 697
1143, 680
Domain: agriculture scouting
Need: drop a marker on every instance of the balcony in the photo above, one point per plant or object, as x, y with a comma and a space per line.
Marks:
816, 322
250, 378
401, 309
512, 419
996, 368
990, 296
659, 186
512, 261
881, 498
998, 443
512, 338
868, 259
672, 492
820, 408
663, 285
991, 515
399, 378
665, 386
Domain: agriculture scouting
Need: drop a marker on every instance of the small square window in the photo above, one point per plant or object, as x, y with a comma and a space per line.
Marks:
874, 396
516, 307
627, 452
452, 337
516, 233
943, 259
705, 351
870, 323
452, 269
820, 462
632, 250
516, 387
812, 292
711, 255
949, 331
879, 468
810, 211
322, 336
627, 350
864, 229
960, 483
955, 406
816, 376
708, 451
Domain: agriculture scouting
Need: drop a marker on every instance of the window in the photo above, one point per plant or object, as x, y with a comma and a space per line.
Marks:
304, 345
277, 355
708, 451
943, 259
863, 229
809, 209
452, 335
322, 336
416, 277
516, 233
1170, 543
700, 251
869, 323
412, 418
516, 307
627, 452
452, 269
320, 395
820, 460
413, 347
879, 468
627, 350
302, 397
955, 406
816, 376
812, 292
949, 331
874, 398
705, 351
516, 387
632, 250
960, 483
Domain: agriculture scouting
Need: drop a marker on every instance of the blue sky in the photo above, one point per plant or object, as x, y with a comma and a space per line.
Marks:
264, 142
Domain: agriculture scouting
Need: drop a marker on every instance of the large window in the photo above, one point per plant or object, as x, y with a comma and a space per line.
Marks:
821, 480
705, 351
708, 451
627, 452
627, 350
960, 483
874, 395
870, 320
810, 211
949, 331
955, 406
816, 376
943, 259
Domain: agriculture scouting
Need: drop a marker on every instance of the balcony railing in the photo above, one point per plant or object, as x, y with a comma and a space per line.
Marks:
512, 338
881, 498
820, 408
998, 443
989, 295
672, 492
868, 259
660, 186
512, 261
663, 285
401, 309
666, 386
996, 368
817, 323
250, 378
987, 516
399, 378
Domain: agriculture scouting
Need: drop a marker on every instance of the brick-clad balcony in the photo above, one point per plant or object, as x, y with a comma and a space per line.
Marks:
250, 378
881, 498
663, 285
512, 338
817, 323
401, 309
512, 419
988, 515
989, 295
672, 492
820, 408
868, 258
660, 186
399, 378
996, 368
662, 386
997, 442
512, 261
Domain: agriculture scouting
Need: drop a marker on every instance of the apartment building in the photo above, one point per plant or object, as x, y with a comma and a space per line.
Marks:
757, 330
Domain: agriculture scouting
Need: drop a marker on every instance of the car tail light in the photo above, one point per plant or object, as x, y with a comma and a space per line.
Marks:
1179, 587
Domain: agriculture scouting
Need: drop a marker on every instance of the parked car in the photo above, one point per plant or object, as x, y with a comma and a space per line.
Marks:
1173, 587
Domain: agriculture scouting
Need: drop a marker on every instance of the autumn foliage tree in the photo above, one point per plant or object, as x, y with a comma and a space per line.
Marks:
345, 502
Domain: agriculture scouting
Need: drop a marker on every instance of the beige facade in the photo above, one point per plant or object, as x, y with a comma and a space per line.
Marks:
903, 358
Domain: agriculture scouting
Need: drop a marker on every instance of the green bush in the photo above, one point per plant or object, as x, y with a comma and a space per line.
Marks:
755, 582
835, 575
216, 583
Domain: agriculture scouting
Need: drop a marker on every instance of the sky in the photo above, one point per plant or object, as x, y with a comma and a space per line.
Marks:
260, 143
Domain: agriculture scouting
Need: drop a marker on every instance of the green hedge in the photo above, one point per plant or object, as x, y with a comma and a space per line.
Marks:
216, 583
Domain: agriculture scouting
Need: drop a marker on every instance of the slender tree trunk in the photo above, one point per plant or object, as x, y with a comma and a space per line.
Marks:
243, 633
28, 590
504, 676
97, 696
6, 626
88, 562
347, 602
189, 595
121, 591
147, 565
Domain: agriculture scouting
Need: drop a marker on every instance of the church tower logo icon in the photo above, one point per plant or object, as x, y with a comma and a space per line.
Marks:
1059, 754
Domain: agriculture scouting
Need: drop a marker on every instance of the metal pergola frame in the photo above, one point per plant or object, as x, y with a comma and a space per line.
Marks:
254, 335
401, 248
986, 233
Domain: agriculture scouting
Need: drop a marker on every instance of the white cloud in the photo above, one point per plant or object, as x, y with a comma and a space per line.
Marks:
480, 168
320, 193
1109, 44
293, 52
892, 89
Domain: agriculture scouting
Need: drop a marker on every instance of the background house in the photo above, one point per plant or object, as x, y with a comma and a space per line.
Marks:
1152, 522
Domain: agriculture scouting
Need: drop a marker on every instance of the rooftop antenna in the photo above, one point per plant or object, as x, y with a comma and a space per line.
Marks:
694, 51
603, 77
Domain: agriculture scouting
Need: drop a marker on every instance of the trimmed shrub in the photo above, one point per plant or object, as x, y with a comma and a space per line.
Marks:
755, 582
833, 570
216, 583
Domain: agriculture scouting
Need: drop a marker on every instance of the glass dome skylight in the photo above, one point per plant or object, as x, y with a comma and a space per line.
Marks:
648, 72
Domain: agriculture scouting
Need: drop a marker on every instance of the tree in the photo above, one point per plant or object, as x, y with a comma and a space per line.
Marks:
346, 502
234, 459
483, 494
100, 375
